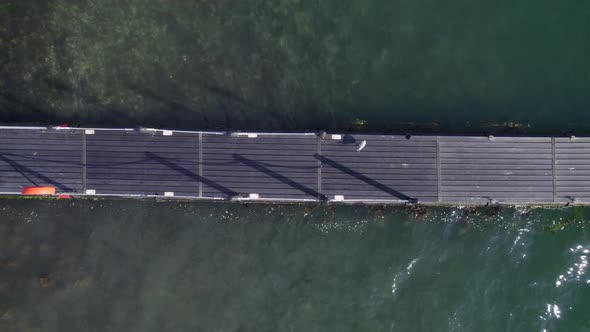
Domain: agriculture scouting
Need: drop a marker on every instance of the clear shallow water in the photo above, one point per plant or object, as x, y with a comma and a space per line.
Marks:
147, 266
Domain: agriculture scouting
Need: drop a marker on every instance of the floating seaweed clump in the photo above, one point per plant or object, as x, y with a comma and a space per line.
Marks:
577, 217
418, 212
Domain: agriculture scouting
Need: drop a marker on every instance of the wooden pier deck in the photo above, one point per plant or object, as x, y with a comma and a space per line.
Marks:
296, 167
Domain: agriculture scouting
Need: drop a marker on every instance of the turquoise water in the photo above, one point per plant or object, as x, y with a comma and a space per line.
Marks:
458, 67
148, 266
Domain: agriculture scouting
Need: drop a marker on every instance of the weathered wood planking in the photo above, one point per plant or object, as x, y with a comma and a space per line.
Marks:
297, 167
572, 168
40, 158
271, 167
132, 163
506, 169
388, 168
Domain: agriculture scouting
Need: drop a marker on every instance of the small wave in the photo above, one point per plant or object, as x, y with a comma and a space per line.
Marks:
356, 226
402, 275
578, 270
551, 311
573, 276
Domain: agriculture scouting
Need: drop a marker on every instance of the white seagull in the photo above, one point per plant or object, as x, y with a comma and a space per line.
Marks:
361, 145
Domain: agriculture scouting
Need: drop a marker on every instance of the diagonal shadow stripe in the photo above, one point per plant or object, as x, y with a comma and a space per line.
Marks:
24, 170
189, 173
362, 177
261, 168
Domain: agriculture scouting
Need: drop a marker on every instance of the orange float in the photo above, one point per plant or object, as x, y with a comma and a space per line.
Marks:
38, 191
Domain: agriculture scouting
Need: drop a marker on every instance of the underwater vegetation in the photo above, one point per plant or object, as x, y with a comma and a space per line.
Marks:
294, 65
578, 217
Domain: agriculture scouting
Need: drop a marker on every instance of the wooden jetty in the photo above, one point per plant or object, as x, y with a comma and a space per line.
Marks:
296, 167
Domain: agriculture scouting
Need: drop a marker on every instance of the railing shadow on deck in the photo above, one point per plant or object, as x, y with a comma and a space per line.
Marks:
362, 177
166, 162
24, 170
259, 166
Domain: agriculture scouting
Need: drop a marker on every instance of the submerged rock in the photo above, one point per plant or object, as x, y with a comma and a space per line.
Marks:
8, 315
45, 281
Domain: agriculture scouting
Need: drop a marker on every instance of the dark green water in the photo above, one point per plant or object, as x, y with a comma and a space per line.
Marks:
454, 67
147, 266
424, 66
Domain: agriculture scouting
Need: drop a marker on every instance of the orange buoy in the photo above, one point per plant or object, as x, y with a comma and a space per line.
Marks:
37, 191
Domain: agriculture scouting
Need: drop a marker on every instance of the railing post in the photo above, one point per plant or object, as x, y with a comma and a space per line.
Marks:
553, 170
438, 171
319, 166
84, 185
200, 179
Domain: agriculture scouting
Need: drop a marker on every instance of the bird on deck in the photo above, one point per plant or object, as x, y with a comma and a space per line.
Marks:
361, 145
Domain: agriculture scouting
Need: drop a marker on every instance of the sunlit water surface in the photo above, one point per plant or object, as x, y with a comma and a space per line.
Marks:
155, 266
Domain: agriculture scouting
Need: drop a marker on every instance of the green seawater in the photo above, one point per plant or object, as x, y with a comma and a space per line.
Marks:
460, 66
426, 66
164, 266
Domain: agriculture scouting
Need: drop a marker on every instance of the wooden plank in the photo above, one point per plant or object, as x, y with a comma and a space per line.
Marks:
553, 170
497, 149
55, 181
457, 172
40, 158
265, 192
495, 167
495, 140
25, 149
573, 162
393, 166
497, 162
567, 188
38, 161
525, 157
231, 167
117, 192
5, 168
418, 177
147, 156
506, 145
137, 149
379, 146
498, 183
270, 158
390, 167
359, 194
200, 164
506, 191
504, 200
131, 168
319, 180
438, 171
259, 141
378, 171
502, 169
137, 176
494, 178
564, 158
396, 182
458, 197
84, 163
396, 150
305, 189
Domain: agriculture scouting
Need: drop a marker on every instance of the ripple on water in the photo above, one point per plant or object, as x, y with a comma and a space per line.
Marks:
401, 276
